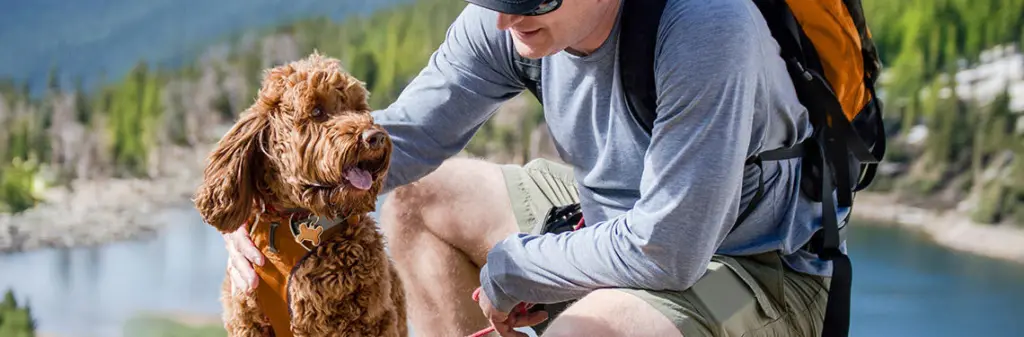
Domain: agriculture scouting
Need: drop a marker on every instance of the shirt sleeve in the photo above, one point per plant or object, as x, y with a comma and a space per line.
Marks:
708, 67
463, 84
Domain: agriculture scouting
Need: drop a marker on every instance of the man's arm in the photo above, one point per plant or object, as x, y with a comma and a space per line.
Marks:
708, 68
465, 81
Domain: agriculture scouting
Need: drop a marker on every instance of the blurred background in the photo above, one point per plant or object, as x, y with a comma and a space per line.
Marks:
108, 107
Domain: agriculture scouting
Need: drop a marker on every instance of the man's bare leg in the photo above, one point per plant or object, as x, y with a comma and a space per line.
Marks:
609, 312
439, 230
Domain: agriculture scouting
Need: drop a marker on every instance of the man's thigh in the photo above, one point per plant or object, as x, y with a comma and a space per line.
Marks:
611, 312
753, 296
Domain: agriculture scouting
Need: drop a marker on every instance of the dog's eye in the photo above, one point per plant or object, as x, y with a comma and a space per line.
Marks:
317, 112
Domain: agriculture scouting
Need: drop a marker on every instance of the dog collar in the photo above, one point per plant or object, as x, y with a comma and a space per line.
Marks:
303, 225
312, 228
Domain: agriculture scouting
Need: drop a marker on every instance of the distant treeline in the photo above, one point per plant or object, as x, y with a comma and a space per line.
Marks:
970, 154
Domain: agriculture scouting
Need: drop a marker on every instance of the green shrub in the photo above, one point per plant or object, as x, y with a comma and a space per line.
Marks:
15, 320
17, 185
988, 209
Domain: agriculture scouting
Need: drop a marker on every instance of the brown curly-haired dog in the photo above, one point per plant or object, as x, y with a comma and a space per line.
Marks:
303, 165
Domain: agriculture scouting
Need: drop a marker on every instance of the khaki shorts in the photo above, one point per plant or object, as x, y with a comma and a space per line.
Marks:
737, 296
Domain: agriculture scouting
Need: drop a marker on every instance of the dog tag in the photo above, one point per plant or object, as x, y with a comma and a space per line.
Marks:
308, 229
308, 232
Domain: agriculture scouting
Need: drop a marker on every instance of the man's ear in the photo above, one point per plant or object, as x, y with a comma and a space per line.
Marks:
226, 196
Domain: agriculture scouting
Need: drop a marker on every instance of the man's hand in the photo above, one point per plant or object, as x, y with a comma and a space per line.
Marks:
242, 253
504, 322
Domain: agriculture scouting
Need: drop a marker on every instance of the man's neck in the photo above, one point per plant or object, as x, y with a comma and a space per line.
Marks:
600, 34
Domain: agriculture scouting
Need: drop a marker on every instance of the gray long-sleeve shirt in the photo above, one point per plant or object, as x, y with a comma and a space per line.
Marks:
657, 207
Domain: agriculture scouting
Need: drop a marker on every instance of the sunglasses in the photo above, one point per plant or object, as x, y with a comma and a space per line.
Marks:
544, 8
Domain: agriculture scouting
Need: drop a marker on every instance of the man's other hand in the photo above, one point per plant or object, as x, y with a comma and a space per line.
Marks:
503, 322
242, 254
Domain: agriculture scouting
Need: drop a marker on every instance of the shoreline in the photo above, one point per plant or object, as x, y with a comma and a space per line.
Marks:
949, 228
99, 211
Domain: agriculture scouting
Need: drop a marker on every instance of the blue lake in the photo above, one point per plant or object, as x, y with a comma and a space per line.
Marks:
904, 285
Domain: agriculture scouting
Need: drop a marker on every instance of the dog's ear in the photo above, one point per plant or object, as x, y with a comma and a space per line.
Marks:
227, 194
273, 88
353, 91
356, 95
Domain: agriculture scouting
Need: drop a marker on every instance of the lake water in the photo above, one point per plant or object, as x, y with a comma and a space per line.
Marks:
903, 286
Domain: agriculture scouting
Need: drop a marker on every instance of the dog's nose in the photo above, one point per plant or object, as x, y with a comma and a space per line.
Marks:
373, 138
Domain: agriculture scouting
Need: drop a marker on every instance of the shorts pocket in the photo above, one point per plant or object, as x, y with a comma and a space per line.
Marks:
733, 302
760, 294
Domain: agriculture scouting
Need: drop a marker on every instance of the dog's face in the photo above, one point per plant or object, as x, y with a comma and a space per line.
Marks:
307, 142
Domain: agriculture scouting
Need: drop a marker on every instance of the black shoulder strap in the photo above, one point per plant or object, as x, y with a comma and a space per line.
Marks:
529, 72
639, 26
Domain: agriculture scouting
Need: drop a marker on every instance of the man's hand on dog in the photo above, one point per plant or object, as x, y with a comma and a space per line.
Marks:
242, 254
504, 322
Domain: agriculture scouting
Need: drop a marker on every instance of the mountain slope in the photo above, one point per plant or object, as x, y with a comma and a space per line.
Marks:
90, 38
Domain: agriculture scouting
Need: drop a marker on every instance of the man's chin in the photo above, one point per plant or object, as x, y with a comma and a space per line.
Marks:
528, 51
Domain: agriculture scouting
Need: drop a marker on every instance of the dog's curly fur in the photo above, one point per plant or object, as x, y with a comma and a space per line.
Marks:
290, 150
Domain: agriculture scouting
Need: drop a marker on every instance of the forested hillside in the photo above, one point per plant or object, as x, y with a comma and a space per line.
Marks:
118, 129
970, 152
973, 151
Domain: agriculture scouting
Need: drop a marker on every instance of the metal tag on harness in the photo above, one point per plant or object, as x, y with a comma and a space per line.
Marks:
307, 229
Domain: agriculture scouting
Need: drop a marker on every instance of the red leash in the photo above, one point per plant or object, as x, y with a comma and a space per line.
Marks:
578, 225
521, 308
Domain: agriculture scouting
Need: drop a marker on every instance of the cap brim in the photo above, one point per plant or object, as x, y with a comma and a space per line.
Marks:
508, 6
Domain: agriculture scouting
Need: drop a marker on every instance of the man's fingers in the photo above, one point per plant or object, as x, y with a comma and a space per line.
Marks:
529, 319
245, 271
504, 330
249, 250
509, 332
239, 240
237, 282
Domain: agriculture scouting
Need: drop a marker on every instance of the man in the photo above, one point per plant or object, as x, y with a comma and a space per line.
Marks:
656, 257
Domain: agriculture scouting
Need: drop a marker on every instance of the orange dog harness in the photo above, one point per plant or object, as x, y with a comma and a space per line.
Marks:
285, 242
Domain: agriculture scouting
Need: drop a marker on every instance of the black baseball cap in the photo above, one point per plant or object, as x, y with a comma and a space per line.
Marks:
517, 7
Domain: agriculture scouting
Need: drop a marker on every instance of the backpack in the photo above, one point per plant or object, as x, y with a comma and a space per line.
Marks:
832, 61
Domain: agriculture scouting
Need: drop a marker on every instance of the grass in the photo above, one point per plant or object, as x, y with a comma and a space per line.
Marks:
163, 326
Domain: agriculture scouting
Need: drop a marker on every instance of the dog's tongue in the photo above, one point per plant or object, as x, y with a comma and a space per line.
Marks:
359, 178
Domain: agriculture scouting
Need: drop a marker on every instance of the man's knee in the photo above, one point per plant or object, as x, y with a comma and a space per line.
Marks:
409, 208
464, 202
442, 188
400, 214
609, 312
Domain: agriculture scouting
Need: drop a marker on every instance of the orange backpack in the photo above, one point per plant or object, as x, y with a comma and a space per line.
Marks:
834, 65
